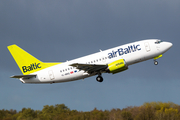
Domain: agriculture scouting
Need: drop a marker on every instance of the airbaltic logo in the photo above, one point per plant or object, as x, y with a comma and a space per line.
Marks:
119, 64
122, 51
31, 67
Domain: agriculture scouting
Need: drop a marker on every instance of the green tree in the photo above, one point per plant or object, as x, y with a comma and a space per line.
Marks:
27, 113
126, 115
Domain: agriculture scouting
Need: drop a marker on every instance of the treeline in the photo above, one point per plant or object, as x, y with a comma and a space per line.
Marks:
148, 111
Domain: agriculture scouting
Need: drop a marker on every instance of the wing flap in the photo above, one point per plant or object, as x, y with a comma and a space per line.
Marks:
23, 76
90, 68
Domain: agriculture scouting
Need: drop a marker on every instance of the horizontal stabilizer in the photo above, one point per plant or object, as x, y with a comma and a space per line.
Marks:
23, 76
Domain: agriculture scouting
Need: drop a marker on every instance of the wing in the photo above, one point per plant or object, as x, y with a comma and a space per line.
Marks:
23, 76
90, 68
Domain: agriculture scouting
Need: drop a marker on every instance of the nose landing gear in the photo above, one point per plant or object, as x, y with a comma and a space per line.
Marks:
155, 62
155, 58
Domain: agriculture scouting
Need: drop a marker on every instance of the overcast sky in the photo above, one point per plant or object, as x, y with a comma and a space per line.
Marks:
56, 31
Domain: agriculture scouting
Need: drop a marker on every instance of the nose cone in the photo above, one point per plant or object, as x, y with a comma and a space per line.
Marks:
168, 45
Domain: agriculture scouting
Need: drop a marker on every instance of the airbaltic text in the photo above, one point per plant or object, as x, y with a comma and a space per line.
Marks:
31, 67
122, 51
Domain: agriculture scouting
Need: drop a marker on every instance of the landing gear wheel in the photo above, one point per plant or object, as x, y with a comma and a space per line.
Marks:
156, 62
99, 78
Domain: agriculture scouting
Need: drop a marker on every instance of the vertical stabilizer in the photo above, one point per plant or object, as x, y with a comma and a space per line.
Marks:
27, 63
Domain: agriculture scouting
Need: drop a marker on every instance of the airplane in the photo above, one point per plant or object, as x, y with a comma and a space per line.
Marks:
113, 61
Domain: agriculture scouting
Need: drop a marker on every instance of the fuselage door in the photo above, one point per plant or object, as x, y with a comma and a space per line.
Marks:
51, 75
147, 46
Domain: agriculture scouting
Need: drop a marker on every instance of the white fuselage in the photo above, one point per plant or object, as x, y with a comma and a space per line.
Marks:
132, 53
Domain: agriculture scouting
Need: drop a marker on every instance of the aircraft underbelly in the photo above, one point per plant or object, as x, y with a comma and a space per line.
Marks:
70, 77
134, 58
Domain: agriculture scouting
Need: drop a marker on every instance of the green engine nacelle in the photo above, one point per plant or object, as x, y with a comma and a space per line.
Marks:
117, 66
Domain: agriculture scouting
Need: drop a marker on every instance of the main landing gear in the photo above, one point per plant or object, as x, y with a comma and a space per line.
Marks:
99, 78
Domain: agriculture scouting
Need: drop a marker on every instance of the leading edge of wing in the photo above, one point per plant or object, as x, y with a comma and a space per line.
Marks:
90, 67
23, 76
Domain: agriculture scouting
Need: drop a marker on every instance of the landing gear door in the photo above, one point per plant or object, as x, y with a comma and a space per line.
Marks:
51, 75
147, 46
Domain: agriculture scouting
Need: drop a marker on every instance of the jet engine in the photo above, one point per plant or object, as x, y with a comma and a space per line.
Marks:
117, 66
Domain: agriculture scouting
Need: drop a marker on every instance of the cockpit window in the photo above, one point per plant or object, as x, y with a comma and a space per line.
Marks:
158, 41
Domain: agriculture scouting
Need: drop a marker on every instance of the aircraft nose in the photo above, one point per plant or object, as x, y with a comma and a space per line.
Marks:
169, 45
